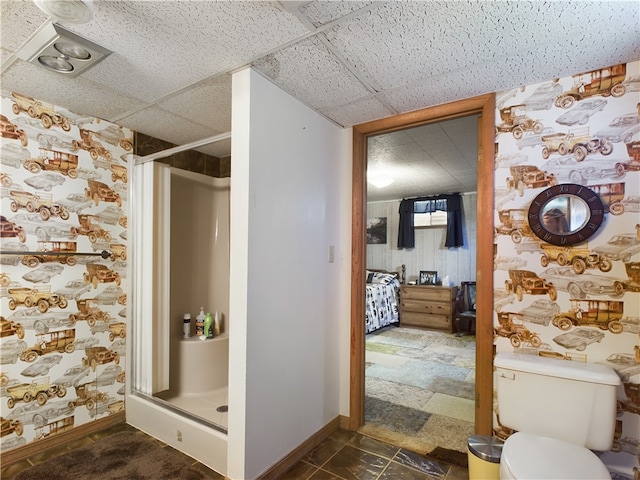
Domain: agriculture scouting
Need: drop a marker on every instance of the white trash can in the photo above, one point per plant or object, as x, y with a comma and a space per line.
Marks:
484, 457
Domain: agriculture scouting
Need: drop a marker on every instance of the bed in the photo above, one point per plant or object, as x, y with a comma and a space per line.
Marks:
382, 298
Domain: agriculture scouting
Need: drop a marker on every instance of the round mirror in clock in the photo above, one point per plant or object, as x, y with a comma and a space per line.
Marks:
566, 214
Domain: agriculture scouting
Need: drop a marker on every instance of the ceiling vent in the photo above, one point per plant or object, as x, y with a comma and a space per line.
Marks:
61, 51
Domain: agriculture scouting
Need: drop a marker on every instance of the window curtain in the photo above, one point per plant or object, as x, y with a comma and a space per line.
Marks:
452, 204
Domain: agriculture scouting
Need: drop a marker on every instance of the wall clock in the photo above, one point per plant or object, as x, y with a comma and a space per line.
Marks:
566, 214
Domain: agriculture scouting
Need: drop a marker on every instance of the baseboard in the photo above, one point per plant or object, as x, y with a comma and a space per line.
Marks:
82, 431
301, 450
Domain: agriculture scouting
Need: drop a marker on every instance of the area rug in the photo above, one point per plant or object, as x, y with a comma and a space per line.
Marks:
420, 390
121, 456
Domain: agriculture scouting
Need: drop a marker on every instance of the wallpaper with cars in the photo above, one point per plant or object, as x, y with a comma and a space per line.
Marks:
579, 303
63, 278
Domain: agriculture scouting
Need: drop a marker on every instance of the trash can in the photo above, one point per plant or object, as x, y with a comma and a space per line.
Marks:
484, 457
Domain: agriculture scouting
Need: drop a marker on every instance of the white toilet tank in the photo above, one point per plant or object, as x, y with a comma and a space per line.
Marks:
569, 401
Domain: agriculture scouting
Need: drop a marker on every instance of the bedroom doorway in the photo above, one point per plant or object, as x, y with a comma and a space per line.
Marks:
484, 107
420, 383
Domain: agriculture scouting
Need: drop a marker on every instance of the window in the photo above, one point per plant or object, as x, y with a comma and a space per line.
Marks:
430, 219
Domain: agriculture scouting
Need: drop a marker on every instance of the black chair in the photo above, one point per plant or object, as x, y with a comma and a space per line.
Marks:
466, 309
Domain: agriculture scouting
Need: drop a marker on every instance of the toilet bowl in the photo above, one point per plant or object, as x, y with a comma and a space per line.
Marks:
561, 411
533, 457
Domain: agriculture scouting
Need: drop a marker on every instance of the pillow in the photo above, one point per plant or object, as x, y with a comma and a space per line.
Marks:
379, 277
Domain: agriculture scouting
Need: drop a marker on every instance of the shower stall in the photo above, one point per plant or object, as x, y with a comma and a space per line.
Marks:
178, 387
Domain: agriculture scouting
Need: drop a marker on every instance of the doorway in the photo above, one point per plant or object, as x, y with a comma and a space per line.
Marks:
484, 106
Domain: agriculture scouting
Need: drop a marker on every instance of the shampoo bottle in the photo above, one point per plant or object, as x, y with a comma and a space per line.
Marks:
186, 325
216, 325
208, 325
200, 323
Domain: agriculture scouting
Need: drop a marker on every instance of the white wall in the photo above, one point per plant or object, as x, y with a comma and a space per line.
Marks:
288, 304
429, 253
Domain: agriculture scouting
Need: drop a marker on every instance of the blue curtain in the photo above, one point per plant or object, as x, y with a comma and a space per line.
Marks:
452, 204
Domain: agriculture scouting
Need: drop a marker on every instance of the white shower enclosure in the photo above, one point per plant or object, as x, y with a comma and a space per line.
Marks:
177, 390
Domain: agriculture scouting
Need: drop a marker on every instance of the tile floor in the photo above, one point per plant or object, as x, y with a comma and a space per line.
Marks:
341, 456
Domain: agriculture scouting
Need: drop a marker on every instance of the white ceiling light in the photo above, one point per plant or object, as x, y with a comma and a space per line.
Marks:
61, 51
68, 11
379, 180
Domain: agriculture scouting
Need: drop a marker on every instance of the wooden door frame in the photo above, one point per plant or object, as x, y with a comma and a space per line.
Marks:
484, 106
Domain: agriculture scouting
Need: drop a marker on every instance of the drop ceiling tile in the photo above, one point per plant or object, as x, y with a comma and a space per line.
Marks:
358, 111
183, 42
74, 94
308, 70
159, 123
207, 103
321, 13
18, 19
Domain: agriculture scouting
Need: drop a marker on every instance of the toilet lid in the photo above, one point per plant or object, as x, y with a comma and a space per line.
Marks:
527, 456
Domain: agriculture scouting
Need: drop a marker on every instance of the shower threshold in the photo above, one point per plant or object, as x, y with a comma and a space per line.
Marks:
199, 406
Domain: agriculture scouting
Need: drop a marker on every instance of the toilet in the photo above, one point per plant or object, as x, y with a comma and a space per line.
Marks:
560, 410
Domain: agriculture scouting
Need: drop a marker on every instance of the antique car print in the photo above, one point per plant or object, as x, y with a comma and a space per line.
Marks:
626, 365
505, 263
541, 312
513, 222
88, 310
620, 247
73, 289
46, 138
40, 297
99, 191
89, 143
72, 376
12, 131
525, 281
98, 273
506, 160
605, 82
109, 375
33, 319
109, 295
115, 135
45, 181
41, 203
54, 428
577, 141
581, 113
98, 356
40, 390
528, 176
633, 164
604, 314
33, 224
533, 139
91, 228
11, 350
75, 202
511, 326
12, 155
87, 394
611, 195
579, 339
9, 229
117, 329
43, 274
9, 328
515, 120
632, 83
9, 426
568, 169
62, 162
111, 215
580, 285
61, 341
543, 97
579, 257
61, 252
621, 129
38, 415
37, 109
42, 366
633, 274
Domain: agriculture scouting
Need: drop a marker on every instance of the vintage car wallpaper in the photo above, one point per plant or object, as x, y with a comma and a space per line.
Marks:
578, 302
64, 268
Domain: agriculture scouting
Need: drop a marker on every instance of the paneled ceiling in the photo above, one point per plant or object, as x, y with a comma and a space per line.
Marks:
169, 75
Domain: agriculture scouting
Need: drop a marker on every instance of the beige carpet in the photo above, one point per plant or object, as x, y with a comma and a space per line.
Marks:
419, 389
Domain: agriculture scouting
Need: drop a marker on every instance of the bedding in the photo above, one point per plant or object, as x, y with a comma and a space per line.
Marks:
382, 300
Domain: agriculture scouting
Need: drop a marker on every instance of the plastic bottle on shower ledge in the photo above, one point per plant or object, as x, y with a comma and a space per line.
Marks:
216, 325
186, 325
208, 325
200, 324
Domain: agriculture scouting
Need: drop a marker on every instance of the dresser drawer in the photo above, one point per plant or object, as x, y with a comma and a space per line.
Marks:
438, 322
427, 306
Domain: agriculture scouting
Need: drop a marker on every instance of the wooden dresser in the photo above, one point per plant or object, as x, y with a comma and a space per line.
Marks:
428, 307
